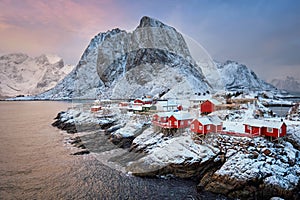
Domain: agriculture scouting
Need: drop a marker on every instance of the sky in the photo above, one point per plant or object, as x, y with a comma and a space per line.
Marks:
264, 34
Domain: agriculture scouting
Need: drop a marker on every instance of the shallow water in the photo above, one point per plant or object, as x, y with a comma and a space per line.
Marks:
35, 163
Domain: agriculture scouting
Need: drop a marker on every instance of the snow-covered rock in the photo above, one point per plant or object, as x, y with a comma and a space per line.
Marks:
152, 59
289, 84
239, 167
258, 168
23, 75
83, 82
176, 155
237, 76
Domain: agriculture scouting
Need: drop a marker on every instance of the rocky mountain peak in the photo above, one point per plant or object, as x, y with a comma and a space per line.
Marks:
150, 22
154, 59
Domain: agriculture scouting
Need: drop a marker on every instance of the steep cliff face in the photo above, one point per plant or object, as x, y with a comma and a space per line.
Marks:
23, 75
154, 58
236, 76
83, 81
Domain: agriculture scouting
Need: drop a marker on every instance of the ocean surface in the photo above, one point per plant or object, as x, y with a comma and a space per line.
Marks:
36, 163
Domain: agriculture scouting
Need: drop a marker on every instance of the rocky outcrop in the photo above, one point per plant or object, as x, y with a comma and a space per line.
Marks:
152, 59
83, 82
238, 167
178, 156
255, 169
73, 121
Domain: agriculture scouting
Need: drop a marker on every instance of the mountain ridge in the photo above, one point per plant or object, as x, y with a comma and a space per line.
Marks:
24, 75
289, 84
154, 59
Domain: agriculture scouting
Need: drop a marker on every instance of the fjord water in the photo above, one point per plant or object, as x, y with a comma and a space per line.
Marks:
36, 164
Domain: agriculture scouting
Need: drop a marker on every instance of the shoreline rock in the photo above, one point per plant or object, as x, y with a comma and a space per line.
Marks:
237, 167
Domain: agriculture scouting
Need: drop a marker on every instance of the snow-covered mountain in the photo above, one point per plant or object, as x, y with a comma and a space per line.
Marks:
237, 76
289, 84
23, 75
154, 59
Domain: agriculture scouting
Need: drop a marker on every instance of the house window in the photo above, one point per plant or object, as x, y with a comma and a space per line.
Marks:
200, 128
208, 127
192, 126
250, 128
270, 130
175, 123
280, 130
181, 123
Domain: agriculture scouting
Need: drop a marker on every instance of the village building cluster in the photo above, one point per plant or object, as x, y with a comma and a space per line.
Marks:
169, 117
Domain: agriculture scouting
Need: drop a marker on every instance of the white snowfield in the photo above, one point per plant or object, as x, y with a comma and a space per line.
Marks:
23, 75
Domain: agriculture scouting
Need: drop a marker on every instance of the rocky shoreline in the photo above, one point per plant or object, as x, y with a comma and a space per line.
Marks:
237, 167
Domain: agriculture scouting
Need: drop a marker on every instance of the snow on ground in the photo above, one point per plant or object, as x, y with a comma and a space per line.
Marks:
149, 139
236, 127
275, 164
52, 59
293, 132
129, 130
179, 149
165, 151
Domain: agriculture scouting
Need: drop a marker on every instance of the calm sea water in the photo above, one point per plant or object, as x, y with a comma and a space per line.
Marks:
35, 163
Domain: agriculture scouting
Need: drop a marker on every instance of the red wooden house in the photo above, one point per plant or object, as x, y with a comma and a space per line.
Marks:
207, 124
161, 119
172, 120
209, 106
265, 128
180, 120
143, 101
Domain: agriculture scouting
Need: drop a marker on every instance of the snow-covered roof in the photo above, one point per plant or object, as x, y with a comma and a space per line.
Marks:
96, 106
182, 115
263, 123
144, 99
210, 120
147, 106
214, 101
204, 120
215, 119
164, 114
137, 108
167, 103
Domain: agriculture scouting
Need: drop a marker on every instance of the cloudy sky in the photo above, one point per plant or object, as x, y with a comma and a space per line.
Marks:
264, 35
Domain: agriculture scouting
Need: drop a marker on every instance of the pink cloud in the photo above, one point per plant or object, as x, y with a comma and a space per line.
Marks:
37, 27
